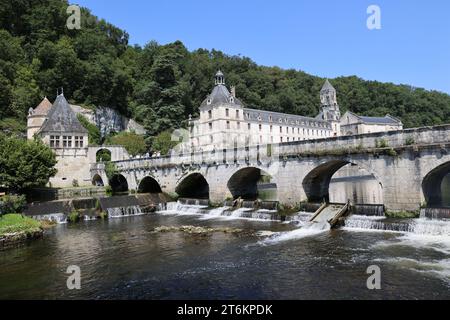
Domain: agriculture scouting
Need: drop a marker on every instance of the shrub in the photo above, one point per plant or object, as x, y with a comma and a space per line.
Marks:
73, 217
109, 190
382, 143
12, 204
103, 215
410, 141
75, 183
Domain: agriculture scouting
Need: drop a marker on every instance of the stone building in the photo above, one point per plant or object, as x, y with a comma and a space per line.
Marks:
64, 134
225, 122
57, 125
352, 124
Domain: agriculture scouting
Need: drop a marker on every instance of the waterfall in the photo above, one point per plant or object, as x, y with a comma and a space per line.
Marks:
307, 230
222, 212
422, 226
59, 218
124, 212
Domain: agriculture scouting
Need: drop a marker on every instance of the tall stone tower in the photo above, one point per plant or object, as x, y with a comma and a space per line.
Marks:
330, 107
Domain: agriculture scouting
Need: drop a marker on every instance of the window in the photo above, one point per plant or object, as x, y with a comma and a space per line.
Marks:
271, 128
210, 126
281, 129
288, 139
54, 141
260, 127
237, 114
227, 112
67, 142
239, 125
211, 139
228, 125
79, 142
281, 139
210, 114
249, 126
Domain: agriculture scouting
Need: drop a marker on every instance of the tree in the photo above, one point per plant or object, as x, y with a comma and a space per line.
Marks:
163, 143
132, 142
25, 164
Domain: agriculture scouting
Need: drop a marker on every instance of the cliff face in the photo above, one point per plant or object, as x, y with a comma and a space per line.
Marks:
109, 120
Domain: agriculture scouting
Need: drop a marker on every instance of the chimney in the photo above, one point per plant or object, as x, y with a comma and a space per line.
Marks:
233, 91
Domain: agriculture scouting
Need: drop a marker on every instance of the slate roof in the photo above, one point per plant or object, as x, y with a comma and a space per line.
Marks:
219, 95
43, 108
384, 120
327, 86
378, 120
61, 118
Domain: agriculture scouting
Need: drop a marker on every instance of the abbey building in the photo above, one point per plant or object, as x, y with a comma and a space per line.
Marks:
225, 122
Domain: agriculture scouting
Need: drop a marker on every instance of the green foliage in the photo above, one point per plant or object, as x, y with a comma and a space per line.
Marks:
94, 134
163, 143
73, 217
133, 143
13, 223
103, 215
109, 190
110, 169
410, 141
75, 183
103, 155
12, 204
382, 143
25, 164
160, 85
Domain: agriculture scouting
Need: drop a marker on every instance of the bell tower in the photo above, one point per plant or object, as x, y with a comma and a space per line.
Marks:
330, 107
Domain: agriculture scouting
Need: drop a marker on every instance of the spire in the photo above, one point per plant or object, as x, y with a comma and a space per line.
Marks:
220, 78
327, 86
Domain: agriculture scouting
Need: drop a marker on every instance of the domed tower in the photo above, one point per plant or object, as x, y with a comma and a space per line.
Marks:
330, 107
37, 117
220, 78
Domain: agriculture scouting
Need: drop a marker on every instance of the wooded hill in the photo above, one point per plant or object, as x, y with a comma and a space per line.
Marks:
160, 85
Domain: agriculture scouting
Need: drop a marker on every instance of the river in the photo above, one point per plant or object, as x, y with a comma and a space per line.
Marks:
124, 259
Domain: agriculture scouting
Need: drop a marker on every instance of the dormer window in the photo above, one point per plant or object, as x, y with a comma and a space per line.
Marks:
270, 118
231, 99
209, 101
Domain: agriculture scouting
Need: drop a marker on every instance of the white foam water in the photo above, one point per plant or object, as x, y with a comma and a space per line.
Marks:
439, 268
224, 213
59, 218
308, 230
123, 212
422, 226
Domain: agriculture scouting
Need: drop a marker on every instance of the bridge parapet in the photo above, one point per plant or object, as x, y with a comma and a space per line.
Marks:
273, 152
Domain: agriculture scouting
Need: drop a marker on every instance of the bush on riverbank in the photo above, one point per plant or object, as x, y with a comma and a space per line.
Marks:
11, 203
15, 223
73, 217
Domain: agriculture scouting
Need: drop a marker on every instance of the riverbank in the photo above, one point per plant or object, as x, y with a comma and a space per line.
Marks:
16, 229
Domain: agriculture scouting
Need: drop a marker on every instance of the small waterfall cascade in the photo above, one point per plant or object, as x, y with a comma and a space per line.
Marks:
124, 212
221, 212
422, 226
59, 218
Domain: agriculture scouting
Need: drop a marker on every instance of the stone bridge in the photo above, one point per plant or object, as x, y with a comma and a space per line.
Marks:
409, 166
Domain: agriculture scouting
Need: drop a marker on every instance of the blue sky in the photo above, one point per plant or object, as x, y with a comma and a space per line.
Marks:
328, 38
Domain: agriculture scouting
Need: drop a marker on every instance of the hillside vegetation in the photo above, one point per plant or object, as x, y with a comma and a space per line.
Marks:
160, 85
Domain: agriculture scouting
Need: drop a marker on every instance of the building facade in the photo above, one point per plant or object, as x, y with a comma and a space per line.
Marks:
225, 122
352, 124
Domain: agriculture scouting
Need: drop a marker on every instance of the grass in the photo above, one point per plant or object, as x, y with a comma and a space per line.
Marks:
14, 223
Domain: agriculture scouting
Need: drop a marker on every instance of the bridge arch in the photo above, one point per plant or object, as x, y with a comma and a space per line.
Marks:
97, 181
194, 185
317, 183
103, 155
252, 183
149, 185
434, 184
118, 183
